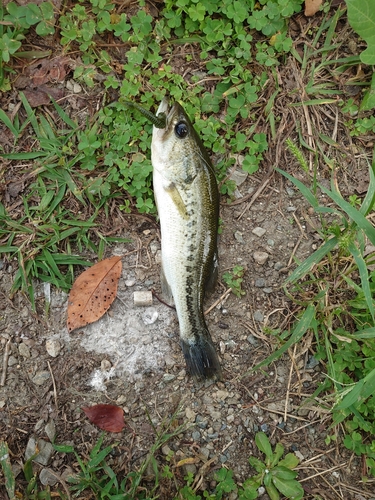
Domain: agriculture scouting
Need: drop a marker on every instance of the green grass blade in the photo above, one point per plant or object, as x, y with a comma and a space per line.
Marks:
302, 326
65, 118
365, 280
311, 261
30, 114
367, 333
304, 190
10, 483
369, 201
8, 123
354, 214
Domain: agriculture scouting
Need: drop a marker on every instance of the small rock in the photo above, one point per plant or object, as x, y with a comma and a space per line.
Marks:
312, 363
222, 395
130, 283
168, 377
260, 257
260, 282
53, 347
12, 361
253, 340
47, 476
105, 365
50, 429
291, 209
166, 450
267, 290
258, 316
190, 468
222, 347
279, 265
45, 450
271, 243
196, 435
264, 428
238, 236
289, 191
223, 458
205, 452
190, 414
24, 350
259, 231
150, 316
239, 176
41, 377
142, 298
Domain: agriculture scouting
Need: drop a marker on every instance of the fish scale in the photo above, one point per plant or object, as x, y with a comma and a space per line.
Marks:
187, 199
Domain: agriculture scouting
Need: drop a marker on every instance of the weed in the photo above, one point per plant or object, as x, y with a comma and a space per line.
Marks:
234, 280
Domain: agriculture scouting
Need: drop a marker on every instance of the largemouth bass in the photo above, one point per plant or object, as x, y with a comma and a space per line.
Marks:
187, 200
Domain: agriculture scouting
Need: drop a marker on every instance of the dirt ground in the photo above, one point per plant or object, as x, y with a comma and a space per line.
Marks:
131, 357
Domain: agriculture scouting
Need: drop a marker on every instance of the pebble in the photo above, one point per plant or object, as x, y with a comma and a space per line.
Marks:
291, 209
260, 282
142, 298
264, 428
258, 316
53, 347
223, 458
238, 236
47, 476
190, 414
24, 350
279, 265
239, 176
290, 191
45, 450
260, 257
253, 340
166, 450
130, 283
271, 243
50, 429
267, 290
73, 86
201, 422
196, 435
168, 377
150, 316
41, 377
259, 231
205, 452
12, 361
311, 363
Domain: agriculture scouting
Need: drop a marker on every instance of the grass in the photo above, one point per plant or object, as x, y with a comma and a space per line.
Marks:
75, 164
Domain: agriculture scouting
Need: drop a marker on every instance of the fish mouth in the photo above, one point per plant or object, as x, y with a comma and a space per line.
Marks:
165, 111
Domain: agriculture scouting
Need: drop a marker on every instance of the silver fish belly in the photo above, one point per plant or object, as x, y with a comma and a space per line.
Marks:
187, 199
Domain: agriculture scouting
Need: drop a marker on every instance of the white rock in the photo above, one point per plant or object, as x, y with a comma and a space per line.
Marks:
53, 347
150, 316
260, 257
142, 299
259, 231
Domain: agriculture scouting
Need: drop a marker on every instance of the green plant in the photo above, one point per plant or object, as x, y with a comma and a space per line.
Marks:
15, 21
275, 473
234, 280
344, 328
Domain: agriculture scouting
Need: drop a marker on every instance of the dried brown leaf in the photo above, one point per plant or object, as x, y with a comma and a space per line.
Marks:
107, 417
93, 292
312, 7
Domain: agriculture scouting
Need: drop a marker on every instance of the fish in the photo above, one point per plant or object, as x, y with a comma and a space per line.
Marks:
187, 200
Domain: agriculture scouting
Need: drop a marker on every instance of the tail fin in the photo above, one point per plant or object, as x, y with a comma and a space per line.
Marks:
201, 359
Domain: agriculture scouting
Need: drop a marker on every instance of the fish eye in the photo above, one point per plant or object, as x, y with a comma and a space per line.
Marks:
181, 130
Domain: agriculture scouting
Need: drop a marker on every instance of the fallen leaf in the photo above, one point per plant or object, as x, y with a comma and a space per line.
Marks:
49, 70
312, 7
107, 417
42, 95
93, 293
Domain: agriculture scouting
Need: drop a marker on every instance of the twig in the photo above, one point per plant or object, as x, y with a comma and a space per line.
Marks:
54, 385
323, 472
256, 194
5, 363
220, 299
294, 250
289, 384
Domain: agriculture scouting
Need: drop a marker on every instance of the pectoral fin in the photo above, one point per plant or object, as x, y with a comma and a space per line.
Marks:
177, 200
